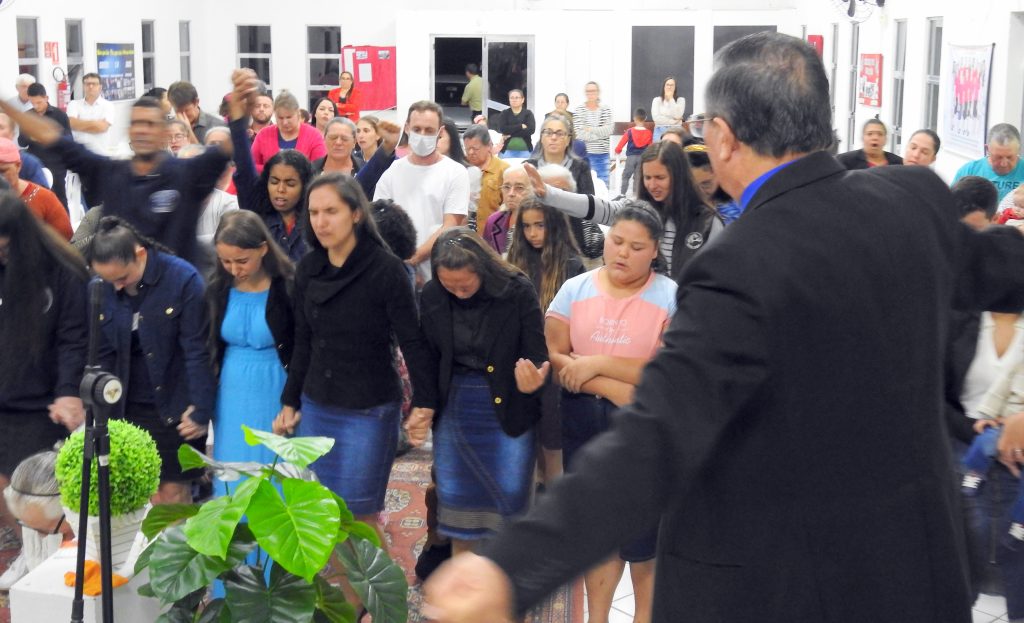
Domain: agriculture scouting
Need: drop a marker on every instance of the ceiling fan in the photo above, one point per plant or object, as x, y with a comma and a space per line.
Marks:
858, 10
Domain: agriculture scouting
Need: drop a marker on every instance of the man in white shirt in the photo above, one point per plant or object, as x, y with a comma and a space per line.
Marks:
432, 188
92, 117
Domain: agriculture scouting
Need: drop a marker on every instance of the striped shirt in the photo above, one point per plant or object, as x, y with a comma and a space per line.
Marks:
594, 127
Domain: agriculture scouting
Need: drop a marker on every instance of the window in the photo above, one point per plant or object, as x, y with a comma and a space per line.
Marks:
323, 47
851, 122
28, 46
185, 48
148, 57
897, 86
931, 82
254, 50
76, 66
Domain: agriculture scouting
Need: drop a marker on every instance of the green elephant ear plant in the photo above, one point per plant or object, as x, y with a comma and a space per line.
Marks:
292, 522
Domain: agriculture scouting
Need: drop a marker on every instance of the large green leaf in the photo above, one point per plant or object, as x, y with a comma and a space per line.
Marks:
298, 532
378, 581
300, 451
288, 599
143, 560
175, 569
226, 471
163, 515
210, 531
360, 530
214, 612
331, 606
183, 610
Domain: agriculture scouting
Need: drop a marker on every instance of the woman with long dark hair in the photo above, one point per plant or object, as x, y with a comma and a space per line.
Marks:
322, 112
481, 318
601, 329
352, 296
449, 142
668, 186
43, 335
251, 332
155, 329
667, 109
345, 95
543, 248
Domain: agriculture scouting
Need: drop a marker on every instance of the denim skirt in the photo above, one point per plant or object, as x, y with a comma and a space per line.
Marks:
583, 418
358, 466
483, 474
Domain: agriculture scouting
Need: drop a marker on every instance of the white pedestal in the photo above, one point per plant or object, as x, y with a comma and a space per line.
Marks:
42, 596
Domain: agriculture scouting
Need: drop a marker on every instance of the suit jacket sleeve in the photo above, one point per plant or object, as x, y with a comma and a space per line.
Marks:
292, 394
72, 333
247, 181
194, 330
715, 355
532, 345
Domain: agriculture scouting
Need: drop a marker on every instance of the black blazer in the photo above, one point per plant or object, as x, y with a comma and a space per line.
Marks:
515, 330
790, 431
856, 160
346, 320
279, 318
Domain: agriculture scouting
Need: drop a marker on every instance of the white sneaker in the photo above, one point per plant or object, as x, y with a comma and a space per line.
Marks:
17, 570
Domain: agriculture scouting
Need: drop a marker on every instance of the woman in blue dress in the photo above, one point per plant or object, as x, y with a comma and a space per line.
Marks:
250, 335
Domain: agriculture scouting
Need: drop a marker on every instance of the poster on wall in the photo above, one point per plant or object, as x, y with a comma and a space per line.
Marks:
869, 81
115, 63
375, 74
965, 109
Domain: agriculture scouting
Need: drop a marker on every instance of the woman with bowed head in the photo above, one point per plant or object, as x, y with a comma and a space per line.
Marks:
43, 335
346, 97
543, 248
323, 112
351, 296
289, 133
481, 318
340, 136
601, 328
155, 329
251, 333
667, 110
449, 144
687, 219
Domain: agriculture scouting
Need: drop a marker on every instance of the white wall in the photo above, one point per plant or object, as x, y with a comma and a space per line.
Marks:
979, 22
576, 41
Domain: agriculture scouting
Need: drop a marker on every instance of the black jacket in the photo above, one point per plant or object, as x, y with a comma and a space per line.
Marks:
58, 373
514, 327
511, 126
856, 160
790, 432
344, 321
279, 315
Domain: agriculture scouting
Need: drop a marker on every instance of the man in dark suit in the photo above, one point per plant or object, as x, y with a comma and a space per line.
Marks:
790, 433
52, 160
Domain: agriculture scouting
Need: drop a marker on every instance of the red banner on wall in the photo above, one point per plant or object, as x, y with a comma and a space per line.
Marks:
374, 71
818, 43
869, 83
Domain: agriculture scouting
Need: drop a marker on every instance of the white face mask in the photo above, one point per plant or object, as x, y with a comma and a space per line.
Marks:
422, 144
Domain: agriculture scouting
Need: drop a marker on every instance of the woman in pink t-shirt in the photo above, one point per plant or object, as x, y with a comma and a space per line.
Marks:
602, 328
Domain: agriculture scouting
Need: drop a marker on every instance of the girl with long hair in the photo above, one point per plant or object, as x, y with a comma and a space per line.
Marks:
688, 220
352, 297
251, 333
155, 330
544, 249
601, 329
43, 335
482, 320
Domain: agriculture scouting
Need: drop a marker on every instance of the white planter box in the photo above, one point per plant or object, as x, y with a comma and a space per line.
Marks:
124, 535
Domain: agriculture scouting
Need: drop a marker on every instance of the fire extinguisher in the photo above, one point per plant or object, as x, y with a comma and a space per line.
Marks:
63, 89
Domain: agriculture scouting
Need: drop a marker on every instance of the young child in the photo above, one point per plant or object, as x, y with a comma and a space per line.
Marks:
543, 248
635, 140
1004, 398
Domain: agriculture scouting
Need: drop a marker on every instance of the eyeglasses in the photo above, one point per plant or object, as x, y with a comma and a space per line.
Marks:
554, 133
56, 529
518, 188
178, 137
340, 137
696, 123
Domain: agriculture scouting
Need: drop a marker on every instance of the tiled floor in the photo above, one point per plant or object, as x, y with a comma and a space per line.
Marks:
988, 609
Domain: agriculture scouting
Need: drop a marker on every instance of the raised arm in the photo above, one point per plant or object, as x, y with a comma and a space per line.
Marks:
589, 207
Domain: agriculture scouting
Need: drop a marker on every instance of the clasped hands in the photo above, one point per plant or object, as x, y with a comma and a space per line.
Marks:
578, 372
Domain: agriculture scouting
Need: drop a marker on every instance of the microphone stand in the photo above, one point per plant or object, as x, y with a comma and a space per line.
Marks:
100, 391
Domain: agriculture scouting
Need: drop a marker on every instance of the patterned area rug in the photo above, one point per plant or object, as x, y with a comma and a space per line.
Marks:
405, 526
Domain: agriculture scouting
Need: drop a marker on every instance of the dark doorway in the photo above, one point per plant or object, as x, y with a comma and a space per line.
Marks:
659, 52
451, 55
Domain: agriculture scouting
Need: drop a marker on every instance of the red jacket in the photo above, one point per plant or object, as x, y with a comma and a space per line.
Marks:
350, 107
638, 139
264, 146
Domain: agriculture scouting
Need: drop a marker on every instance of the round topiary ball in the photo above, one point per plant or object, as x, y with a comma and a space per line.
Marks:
134, 470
